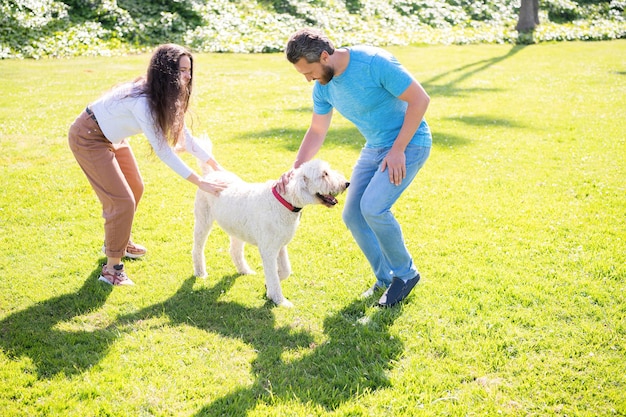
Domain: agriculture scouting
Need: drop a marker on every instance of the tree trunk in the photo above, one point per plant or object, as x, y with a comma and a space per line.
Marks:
528, 16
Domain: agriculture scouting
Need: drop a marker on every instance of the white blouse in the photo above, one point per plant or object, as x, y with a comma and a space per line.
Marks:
121, 115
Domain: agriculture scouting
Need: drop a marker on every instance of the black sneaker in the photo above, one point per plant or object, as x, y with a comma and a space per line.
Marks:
397, 291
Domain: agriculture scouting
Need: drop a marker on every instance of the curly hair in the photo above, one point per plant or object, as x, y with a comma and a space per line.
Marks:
308, 43
168, 97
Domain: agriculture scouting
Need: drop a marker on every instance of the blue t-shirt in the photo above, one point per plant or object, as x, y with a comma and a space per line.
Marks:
366, 93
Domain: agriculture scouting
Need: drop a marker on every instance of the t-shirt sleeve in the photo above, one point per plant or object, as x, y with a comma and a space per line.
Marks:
391, 75
321, 105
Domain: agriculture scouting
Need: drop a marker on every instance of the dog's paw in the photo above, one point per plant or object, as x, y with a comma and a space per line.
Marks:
201, 275
285, 303
246, 272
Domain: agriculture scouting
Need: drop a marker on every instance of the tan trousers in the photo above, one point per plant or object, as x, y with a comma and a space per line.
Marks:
114, 175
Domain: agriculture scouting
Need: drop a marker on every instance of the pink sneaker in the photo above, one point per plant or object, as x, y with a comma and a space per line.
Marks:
116, 277
133, 250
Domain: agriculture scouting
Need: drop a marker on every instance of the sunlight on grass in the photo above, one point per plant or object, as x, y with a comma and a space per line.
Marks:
517, 224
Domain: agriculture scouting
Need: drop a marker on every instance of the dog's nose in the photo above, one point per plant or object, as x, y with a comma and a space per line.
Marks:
347, 184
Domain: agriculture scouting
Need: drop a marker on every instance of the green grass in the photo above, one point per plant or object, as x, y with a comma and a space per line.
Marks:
517, 224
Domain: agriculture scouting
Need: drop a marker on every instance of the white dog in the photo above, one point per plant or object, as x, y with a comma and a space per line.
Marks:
259, 215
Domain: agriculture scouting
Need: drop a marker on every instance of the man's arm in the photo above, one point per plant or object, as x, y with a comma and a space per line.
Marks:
311, 144
313, 138
395, 161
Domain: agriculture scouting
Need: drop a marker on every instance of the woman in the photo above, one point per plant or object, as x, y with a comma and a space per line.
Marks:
154, 105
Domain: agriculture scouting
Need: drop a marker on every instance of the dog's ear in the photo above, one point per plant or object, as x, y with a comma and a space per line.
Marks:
305, 177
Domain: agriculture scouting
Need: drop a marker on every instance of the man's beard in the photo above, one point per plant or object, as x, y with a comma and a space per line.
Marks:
329, 73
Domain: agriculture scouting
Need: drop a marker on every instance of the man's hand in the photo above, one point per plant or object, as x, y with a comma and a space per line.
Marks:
395, 163
283, 180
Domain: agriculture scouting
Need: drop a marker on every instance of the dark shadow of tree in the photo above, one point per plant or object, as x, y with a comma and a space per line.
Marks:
31, 332
486, 121
355, 359
290, 138
452, 88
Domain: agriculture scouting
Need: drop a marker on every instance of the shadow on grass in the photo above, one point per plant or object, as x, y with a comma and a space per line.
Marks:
483, 121
290, 139
203, 309
354, 360
450, 140
350, 137
32, 333
452, 88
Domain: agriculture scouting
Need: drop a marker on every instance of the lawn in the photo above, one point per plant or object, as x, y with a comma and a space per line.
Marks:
517, 224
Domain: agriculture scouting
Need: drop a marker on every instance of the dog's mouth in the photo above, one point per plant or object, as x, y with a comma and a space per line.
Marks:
328, 200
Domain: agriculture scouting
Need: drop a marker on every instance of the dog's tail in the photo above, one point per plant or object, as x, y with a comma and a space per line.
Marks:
205, 143
205, 168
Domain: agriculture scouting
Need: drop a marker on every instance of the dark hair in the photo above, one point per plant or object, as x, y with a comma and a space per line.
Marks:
308, 43
168, 97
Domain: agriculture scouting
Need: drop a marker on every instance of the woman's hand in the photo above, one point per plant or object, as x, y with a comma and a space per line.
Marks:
213, 187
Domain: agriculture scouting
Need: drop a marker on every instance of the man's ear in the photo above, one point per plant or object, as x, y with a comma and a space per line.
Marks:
324, 56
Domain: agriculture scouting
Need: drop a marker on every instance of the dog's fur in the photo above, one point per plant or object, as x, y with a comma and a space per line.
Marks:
251, 213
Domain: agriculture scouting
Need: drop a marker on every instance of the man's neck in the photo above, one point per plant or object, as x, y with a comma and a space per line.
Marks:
340, 60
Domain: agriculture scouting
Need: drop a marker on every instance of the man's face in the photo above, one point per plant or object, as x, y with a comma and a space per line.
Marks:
319, 71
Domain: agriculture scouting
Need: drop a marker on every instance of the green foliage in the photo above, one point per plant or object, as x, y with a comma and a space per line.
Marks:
562, 10
22, 22
39, 28
161, 21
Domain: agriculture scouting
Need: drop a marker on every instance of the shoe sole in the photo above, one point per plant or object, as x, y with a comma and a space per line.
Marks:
127, 282
103, 279
371, 291
133, 256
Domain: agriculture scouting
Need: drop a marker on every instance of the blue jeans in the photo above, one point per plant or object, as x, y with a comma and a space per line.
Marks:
368, 215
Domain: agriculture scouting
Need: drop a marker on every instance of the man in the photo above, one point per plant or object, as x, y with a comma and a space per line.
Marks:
369, 87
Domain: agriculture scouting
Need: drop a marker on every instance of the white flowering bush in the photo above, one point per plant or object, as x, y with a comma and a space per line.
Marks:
49, 28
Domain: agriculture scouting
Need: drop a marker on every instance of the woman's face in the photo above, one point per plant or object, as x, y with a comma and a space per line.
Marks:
184, 67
